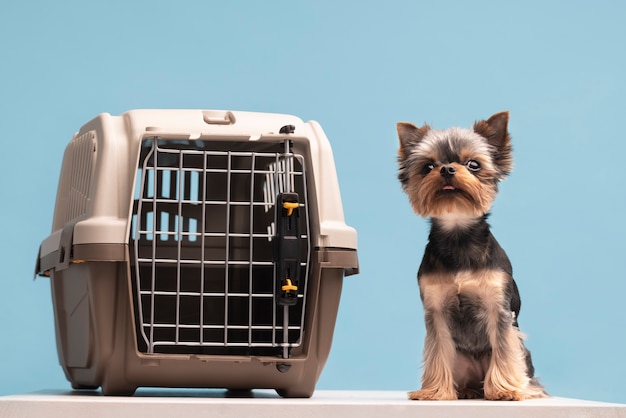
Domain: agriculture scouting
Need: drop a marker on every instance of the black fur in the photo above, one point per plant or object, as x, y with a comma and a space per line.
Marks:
460, 249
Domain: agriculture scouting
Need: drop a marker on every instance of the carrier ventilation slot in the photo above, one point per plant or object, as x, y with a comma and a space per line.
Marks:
75, 182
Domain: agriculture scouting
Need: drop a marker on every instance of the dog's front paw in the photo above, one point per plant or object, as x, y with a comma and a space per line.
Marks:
504, 395
469, 394
432, 395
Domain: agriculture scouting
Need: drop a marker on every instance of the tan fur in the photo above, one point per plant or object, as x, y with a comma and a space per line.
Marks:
428, 198
506, 377
439, 350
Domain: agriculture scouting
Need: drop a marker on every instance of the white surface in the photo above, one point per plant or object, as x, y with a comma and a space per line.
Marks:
327, 404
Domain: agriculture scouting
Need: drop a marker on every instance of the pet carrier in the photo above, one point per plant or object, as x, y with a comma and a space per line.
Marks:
195, 248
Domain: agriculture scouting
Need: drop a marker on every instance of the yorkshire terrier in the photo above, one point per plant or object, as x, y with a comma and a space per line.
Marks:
473, 346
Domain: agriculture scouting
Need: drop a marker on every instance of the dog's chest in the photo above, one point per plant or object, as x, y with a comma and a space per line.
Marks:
464, 303
465, 290
481, 284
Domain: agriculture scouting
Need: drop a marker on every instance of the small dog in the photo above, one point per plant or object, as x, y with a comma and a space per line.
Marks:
473, 347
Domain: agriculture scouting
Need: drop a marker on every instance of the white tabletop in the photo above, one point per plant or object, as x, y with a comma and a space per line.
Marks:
155, 403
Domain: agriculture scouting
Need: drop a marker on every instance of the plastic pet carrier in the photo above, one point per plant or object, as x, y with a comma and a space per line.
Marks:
195, 248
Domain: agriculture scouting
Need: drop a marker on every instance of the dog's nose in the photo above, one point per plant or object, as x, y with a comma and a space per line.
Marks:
447, 171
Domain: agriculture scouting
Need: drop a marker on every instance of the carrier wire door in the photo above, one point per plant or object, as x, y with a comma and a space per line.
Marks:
203, 248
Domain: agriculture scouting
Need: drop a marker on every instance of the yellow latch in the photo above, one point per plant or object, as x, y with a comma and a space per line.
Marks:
290, 206
289, 287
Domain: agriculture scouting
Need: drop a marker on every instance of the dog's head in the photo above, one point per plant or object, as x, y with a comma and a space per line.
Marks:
454, 171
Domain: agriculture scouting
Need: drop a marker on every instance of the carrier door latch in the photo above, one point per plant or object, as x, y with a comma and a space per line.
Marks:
287, 248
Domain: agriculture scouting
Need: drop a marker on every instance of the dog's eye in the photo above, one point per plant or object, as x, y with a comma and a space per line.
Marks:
427, 168
473, 165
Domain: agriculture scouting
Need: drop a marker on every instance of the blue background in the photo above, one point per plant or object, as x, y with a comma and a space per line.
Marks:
559, 67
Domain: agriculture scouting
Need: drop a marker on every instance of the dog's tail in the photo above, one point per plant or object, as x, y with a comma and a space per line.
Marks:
535, 389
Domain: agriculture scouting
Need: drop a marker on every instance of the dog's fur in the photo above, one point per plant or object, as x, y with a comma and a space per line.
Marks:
473, 346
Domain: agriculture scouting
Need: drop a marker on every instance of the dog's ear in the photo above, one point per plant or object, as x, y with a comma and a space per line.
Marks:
495, 130
409, 135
